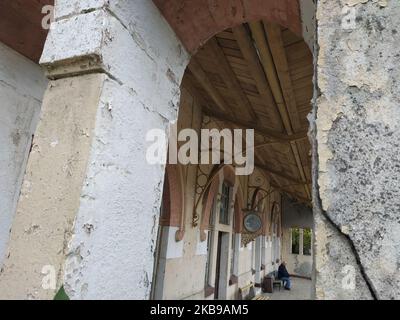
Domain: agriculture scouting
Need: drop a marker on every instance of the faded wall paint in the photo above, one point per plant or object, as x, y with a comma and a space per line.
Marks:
22, 84
51, 188
356, 151
103, 263
115, 205
296, 214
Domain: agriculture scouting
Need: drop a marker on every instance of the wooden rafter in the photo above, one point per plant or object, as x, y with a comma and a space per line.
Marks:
250, 69
251, 57
270, 134
293, 194
281, 174
205, 82
268, 65
275, 42
230, 79
268, 62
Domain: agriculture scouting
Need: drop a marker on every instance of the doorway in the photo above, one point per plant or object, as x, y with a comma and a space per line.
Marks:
221, 272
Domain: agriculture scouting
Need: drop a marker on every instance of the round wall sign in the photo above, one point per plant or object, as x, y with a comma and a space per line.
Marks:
252, 222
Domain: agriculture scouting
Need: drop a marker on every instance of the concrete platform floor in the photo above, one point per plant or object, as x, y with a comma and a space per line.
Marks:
301, 290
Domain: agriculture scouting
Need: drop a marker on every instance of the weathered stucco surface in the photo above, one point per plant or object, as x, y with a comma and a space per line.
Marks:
22, 84
103, 235
51, 188
357, 197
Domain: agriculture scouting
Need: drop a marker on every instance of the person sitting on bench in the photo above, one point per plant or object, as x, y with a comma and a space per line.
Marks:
284, 275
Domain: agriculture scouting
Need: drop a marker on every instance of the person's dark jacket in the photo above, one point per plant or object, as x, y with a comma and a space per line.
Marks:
282, 272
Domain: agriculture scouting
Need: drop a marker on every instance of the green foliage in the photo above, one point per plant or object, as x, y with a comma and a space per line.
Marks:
296, 241
61, 294
307, 242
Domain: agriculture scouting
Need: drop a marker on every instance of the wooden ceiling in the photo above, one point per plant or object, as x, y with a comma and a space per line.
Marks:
259, 75
21, 26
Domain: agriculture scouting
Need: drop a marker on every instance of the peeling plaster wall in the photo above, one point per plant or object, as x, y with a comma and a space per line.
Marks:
104, 241
22, 84
356, 145
51, 189
307, 8
112, 249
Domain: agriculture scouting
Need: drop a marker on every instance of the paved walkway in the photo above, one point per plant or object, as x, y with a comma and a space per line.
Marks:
301, 290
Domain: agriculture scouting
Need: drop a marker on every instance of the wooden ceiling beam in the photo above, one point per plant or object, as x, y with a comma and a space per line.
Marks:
270, 134
268, 63
293, 194
278, 51
252, 59
275, 43
230, 79
281, 174
202, 78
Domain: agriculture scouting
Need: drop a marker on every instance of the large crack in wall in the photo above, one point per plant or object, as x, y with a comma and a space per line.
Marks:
355, 132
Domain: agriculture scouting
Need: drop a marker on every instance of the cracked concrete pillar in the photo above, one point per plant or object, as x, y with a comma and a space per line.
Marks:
356, 130
88, 211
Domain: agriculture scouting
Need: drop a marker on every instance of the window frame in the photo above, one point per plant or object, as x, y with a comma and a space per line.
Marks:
224, 210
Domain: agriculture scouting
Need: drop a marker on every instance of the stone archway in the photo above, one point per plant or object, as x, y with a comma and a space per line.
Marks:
195, 22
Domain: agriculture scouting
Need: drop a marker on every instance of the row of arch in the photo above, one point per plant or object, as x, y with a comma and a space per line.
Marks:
174, 199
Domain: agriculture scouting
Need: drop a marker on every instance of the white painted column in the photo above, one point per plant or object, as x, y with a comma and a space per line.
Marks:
258, 260
253, 256
98, 219
235, 270
301, 246
264, 253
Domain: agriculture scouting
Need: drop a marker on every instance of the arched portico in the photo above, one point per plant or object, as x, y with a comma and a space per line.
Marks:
89, 202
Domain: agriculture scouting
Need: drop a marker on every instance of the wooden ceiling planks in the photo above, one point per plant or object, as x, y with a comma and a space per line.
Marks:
232, 63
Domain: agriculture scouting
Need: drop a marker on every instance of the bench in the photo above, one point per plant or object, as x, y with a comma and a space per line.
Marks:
248, 293
275, 281
271, 281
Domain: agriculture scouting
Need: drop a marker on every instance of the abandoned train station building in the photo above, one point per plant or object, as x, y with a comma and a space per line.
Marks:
309, 92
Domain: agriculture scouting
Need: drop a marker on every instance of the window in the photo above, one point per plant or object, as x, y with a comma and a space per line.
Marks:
307, 242
233, 245
301, 241
224, 210
295, 241
253, 256
212, 214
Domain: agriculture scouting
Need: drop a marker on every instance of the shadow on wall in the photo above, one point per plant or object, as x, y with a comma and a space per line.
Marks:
295, 214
